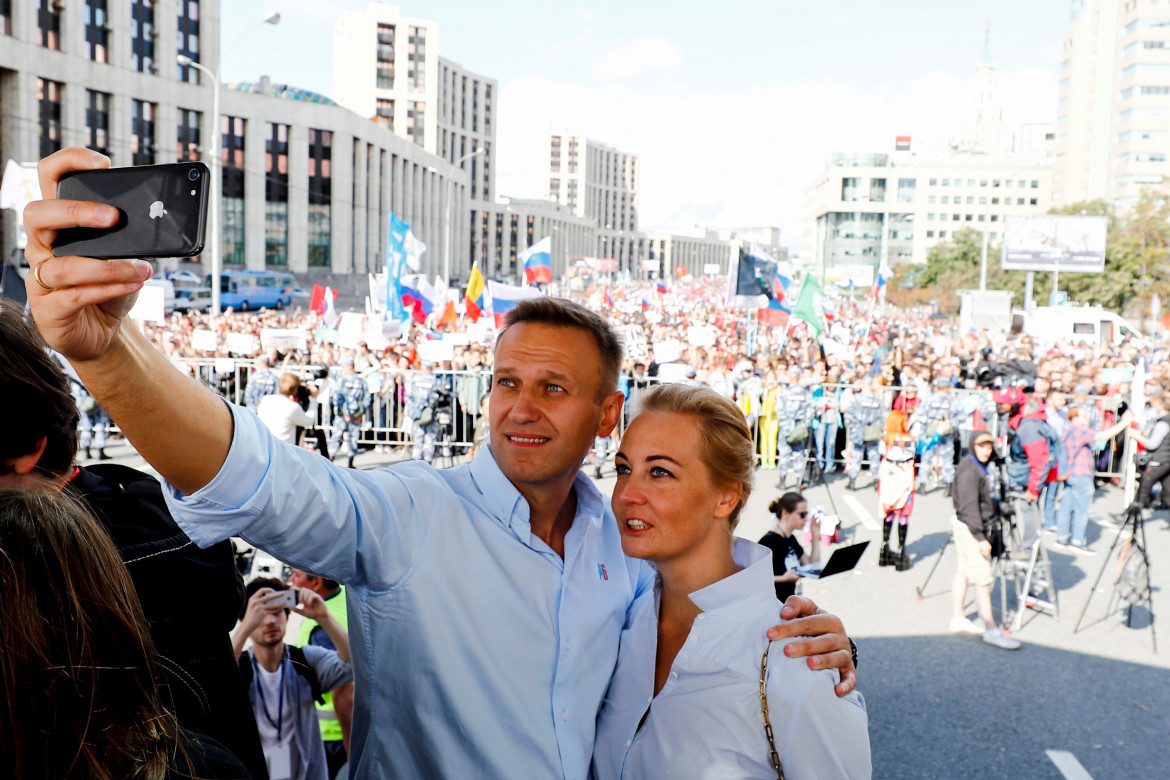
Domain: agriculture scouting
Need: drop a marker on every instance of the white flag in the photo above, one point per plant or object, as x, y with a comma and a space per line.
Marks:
414, 249
330, 317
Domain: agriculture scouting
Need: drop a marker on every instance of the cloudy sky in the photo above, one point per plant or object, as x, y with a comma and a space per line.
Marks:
731, 111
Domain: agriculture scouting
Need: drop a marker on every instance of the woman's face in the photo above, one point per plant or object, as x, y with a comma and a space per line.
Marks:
666, 504
794, 519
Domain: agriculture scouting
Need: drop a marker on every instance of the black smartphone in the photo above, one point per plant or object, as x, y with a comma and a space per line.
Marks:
162, 211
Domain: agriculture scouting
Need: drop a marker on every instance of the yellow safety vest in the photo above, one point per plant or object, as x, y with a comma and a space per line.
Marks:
330, 727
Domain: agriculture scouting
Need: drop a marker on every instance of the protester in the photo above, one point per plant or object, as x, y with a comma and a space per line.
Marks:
198, 680
689, 698
1076, 473
78, 671
281, 412
528, 563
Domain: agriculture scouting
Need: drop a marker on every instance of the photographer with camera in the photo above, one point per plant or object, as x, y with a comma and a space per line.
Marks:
975, 512
1157, 444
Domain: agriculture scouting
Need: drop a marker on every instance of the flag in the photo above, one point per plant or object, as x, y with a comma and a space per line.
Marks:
330, 319
536, 261
884, 275
680, 272
413, 248
18, 188
608, 297
443, 303
647, 303
413, 299
774, 314
474, 296
317, 300
810, 305
661, 288
395, 258
502, 298
755, 281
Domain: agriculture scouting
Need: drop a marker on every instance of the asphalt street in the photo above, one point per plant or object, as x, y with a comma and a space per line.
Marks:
1094, 703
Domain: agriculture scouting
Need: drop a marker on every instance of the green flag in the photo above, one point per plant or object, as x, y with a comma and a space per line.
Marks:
810, 305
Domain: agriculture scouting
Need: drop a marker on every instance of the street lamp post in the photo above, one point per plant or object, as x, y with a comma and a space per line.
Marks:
216, 165
447, 218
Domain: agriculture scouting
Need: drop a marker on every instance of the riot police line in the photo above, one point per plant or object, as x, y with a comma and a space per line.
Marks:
438, 412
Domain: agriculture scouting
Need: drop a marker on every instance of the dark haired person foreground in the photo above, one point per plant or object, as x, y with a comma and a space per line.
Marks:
487, 599
190, 597
791, 512
688, 697
79, 694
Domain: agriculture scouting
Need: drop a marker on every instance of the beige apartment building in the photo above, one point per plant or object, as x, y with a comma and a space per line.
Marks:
1113, 109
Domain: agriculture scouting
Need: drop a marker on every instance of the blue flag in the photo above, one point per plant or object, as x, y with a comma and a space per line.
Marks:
395, 259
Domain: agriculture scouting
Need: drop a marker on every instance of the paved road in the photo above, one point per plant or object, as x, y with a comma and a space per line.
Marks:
1095, 703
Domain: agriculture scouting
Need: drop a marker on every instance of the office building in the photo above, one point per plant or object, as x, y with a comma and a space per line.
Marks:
1113, 104
307, 185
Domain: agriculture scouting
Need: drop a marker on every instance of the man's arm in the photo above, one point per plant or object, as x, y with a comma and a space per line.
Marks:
83, 318
824, 640
313, 607
966, 497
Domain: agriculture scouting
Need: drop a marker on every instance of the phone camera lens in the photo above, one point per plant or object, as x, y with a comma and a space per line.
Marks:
193, 174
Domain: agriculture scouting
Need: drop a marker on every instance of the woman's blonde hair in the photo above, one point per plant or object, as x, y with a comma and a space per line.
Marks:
727, 446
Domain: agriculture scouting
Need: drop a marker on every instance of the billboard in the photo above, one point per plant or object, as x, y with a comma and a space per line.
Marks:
1051, 242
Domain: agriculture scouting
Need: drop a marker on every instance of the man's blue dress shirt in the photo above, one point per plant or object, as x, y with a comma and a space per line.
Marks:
477, 651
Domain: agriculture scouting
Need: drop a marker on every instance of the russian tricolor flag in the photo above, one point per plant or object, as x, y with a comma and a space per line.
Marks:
774, 314
502, 298
608, 297
884, 275
661, 288
420, 307
537, 261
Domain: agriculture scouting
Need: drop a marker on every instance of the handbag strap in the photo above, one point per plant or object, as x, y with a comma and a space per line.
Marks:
764, 707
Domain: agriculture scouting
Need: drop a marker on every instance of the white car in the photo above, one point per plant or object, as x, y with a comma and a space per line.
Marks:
195, 299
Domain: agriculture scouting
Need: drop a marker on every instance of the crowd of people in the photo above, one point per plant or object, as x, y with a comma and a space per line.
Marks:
501, 617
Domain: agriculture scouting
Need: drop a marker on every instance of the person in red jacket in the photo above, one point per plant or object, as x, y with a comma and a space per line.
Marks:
1032, 463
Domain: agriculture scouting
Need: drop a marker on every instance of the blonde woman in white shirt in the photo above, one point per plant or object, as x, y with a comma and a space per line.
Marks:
685, 697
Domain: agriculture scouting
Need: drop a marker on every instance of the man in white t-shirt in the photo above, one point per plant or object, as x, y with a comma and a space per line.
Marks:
281, 413
284, 681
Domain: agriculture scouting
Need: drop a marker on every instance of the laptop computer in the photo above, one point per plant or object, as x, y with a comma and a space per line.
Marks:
842, 559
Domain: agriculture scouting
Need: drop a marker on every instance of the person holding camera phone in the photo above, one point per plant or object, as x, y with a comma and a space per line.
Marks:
284, 682
494, 592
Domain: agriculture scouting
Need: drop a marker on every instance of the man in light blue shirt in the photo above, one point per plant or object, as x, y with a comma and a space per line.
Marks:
486, 601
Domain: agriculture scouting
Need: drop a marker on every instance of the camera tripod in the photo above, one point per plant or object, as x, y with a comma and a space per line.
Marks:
444, 452
1132, 583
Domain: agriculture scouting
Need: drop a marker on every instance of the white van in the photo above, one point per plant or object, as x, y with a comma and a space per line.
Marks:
1074, 324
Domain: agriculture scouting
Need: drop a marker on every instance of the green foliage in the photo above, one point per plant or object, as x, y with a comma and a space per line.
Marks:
1136, 263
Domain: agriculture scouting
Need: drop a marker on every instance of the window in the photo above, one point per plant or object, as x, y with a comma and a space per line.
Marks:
906, 190
1035, 184
970, 199
934, 182
49, 115
942, 234
142, 36
384, 113
97, 35
5, 17
931, 199
276, 163
320, 196
1142, 135
946, 182
49, 24
982, 201
187, 41
187, 138
416, 121
416, 71
946, 199
983, 183
982, 217
994, 218
930, 216
142, 132
1032, 201
970, 182
1019, 201
97, 121
232, 188
954, 218
930, 234
968, 218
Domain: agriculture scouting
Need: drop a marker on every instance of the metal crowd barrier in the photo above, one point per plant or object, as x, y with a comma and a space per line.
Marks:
387, 424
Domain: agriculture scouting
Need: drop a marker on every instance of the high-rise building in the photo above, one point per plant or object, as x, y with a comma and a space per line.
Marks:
1113, 105
386, 66
597, 181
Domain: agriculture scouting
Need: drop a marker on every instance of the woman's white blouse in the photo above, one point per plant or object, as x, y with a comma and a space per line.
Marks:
707, 722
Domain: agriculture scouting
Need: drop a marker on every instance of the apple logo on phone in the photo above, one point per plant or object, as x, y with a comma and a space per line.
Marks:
157, 210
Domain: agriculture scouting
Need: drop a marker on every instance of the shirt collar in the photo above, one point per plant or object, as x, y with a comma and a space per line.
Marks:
741, 588
510, 508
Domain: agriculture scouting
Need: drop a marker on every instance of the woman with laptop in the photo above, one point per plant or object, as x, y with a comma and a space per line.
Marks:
791, 511
686, 699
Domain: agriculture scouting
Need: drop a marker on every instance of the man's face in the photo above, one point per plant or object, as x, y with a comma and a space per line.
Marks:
270, 632
546, 406
983, 451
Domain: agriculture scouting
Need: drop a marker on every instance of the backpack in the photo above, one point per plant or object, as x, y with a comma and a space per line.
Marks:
299, 663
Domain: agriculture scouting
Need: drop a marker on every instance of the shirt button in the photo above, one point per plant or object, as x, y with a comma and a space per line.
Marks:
629, 742
674, 675
694, 638
565, 715
702, 616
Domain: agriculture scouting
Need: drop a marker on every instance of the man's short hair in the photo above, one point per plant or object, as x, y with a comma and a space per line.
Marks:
562, 313
289, 383
36, 391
